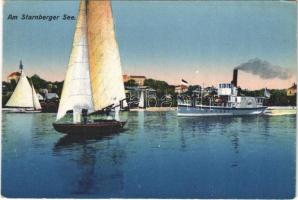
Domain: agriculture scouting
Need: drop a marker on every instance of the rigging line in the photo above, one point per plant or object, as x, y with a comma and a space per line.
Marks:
70, 95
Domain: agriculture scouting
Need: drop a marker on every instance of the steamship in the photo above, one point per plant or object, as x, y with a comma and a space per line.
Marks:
225, 101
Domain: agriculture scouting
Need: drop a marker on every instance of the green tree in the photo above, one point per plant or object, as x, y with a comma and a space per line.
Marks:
162, 88
12, 85
38, 82
130, 83
278, 98
58, 87
5, 98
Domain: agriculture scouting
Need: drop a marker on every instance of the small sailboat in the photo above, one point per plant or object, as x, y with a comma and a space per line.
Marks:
24, 98
93, 84
141, 100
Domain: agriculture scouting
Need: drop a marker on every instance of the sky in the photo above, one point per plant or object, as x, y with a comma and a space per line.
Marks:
199, 41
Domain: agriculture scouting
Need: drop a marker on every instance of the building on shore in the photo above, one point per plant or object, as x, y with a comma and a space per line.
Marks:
138, 79
180, 89
51, 96
292, 90
13, 76
134, 95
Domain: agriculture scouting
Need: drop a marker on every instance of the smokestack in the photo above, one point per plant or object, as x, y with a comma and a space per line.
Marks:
235, 77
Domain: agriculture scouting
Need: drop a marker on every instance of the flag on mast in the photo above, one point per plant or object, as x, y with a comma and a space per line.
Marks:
184, 82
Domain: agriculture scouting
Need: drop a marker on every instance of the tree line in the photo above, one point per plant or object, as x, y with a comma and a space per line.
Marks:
278, 96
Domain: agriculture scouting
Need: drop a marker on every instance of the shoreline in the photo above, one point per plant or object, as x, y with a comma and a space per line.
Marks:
154, 109
280, 110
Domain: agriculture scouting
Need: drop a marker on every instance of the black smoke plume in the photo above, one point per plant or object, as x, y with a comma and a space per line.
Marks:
264, 69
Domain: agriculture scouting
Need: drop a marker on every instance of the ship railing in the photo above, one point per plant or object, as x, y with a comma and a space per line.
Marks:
184, 100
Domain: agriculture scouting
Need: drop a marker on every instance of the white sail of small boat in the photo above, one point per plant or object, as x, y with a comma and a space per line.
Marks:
141, 100
24, 96
36, 103
267, 93
94, 78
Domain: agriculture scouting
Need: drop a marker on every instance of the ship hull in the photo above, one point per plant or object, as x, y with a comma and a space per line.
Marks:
217, 111
20, 110
98, 127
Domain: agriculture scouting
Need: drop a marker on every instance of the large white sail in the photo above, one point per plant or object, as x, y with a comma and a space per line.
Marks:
36, 103
22, 95
104, 60
76, 93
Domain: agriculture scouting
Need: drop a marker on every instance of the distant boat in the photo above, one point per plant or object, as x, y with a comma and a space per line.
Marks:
141, 100
93, 83
24, 98
226, 102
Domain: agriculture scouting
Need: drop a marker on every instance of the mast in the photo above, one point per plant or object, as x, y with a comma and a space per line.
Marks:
21, 66
104, 59
76, 93
202, 93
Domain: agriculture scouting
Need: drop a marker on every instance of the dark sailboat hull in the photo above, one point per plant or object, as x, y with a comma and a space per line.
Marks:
97, 127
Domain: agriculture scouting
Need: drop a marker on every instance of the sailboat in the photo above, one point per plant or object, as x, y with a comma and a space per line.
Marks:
141, 100
24, 98
93, 82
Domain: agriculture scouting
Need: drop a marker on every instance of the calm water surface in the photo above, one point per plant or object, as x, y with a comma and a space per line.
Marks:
159, 156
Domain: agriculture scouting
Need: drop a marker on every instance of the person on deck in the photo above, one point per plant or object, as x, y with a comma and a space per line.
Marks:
84, 115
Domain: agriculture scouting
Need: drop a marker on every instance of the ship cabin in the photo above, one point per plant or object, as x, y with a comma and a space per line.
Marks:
228, 97
227, 89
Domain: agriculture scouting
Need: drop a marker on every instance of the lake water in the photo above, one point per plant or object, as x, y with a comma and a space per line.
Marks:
159, 156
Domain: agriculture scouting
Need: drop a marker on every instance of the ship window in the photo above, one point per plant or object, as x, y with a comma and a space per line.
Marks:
219, 85
223, 85
229, 85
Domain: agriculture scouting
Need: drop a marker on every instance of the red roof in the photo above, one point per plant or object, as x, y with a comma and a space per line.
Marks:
294, 86
137, 76
14, 74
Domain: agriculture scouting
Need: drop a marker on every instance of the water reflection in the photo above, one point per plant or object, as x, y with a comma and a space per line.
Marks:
42, 124
98, 159
71, 140
209, 129
86, 161
203, 125
141, 117
16, 125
